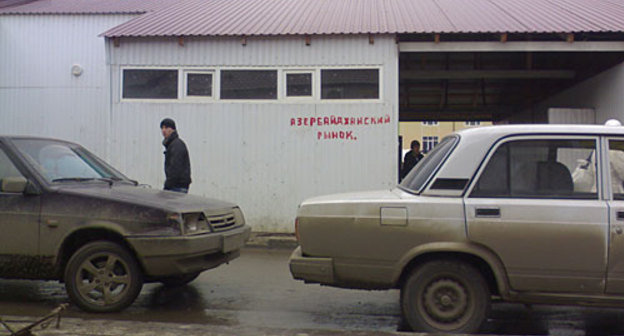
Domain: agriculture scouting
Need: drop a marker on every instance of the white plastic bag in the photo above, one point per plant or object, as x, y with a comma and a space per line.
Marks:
584, 176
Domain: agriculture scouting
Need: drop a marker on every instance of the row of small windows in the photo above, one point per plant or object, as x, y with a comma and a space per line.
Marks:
249, 84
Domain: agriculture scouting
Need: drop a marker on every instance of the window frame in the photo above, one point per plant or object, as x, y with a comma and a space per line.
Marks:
563, 137
150, 100
284, 84
350, 100
187, 72
281, 84
252, 100
606, 170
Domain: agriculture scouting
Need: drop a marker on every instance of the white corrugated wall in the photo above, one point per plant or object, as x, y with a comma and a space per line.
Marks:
38, 94
248, 152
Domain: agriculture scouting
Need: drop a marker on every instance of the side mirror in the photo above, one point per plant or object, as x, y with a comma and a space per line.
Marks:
13, 185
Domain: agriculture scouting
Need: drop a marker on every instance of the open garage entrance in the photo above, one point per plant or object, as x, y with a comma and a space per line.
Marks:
490, 86
461, 81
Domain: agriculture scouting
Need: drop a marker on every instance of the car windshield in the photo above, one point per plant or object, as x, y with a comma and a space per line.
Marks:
416, 179
60, 162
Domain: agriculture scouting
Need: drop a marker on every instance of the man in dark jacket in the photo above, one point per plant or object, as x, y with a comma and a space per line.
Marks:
177, 162
411, 158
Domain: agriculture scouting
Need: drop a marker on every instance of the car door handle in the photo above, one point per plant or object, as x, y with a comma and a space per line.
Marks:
487, 212
620, 215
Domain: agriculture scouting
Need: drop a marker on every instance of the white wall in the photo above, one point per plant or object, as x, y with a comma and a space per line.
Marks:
604, 93
248, 152
38, 94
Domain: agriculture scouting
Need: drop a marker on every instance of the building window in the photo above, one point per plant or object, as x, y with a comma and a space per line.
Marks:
249, 84
350, 84
430, 123
150, 84
472, 123
199, 84
299, 84
429, 142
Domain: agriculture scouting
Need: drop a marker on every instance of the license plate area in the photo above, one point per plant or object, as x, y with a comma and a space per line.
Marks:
232, 242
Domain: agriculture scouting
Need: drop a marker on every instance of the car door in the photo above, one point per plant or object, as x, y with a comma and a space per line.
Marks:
615, 191
536, 205
19, 224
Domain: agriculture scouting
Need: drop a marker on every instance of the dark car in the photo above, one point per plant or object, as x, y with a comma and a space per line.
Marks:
67, 215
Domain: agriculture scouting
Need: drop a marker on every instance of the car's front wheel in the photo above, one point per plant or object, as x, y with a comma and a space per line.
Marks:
103, 277
445, 296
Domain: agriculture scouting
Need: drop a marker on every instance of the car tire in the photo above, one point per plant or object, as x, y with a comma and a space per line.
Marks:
445, 296
179, 280
103, 277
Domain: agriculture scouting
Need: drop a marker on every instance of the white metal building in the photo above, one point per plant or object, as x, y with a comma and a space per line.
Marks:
53, 73
38, 92
280, 100
265, 154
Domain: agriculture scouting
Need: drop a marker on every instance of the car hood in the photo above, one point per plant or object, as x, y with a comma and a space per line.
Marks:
153, 198
354, 197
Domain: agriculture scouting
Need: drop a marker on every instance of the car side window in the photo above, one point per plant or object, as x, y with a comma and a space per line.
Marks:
549, 168
616, 167
7, 170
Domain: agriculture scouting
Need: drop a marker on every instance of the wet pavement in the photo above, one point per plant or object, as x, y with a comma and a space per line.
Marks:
256, 292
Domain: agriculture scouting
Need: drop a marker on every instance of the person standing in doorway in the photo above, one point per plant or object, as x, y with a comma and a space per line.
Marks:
411, 158
177, 162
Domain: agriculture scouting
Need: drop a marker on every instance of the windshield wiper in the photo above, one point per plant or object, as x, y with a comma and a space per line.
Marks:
109, 180
73, 179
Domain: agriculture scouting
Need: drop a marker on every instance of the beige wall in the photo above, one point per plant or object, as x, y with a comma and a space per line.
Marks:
416, 130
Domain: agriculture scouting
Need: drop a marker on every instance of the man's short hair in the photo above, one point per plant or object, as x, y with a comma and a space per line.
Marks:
168, 122
415, 143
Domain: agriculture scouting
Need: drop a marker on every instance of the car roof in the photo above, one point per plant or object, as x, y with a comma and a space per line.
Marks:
505, 130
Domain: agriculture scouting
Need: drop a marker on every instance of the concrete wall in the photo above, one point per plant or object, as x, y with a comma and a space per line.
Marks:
38, 93
250, 152
603, 93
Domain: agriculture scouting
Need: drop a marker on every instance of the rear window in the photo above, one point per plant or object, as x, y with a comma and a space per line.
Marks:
415, 181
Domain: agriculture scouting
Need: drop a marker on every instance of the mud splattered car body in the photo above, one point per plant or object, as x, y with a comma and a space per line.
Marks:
67, 215
525, 213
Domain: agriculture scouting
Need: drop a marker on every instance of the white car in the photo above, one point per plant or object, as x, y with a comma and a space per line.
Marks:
527, 213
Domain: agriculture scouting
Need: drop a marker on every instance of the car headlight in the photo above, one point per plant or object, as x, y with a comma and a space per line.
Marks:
191, 223
238, 215
175, 222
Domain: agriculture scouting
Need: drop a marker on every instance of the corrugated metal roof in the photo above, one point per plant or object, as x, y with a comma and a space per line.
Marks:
84, 6
305, 17
320, 17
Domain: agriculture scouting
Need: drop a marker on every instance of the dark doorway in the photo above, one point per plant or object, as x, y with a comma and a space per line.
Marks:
451, 86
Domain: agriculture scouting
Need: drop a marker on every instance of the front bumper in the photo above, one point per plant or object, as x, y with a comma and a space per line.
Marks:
170, 256
312, 270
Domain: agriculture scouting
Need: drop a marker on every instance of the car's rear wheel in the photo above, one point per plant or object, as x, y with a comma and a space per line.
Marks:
103, 277
179, 280
445, 296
